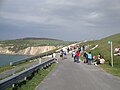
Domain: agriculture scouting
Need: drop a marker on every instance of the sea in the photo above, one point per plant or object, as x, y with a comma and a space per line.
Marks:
6, 58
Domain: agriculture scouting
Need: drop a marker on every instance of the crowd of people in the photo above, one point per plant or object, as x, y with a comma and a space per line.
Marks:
89, 58
92, 59
75, 52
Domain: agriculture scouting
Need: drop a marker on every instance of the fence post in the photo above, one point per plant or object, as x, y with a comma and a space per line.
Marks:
11, 63
25, 78
13, 85
111, 52
39, 60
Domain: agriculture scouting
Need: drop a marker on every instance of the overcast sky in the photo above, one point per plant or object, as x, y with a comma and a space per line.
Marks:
59, 19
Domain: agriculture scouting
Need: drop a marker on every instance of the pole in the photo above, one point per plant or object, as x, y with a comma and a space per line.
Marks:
39, 60
111, 54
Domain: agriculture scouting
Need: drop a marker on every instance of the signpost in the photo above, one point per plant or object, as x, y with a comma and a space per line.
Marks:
110, 42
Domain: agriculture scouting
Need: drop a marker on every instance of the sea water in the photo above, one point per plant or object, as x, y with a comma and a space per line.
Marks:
6, 59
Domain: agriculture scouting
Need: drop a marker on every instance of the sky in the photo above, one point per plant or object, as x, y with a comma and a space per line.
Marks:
59, 19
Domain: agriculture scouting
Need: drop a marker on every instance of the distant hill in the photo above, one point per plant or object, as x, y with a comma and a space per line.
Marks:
34, 38
32, 41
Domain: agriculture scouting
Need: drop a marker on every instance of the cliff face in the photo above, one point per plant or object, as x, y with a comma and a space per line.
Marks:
28, 51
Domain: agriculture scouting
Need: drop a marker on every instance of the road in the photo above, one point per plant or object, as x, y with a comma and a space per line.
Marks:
68, 75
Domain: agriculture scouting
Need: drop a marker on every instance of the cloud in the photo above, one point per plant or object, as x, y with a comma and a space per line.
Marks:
61, 12
94, 15
22, 17
18, 17
65, 15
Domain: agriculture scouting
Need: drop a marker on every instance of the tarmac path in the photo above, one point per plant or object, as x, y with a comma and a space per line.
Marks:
68, 75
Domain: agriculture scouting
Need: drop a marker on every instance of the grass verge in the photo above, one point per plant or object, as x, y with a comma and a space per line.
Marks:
113, 70
4, 68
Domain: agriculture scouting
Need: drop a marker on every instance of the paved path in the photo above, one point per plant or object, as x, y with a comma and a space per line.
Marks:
68, 75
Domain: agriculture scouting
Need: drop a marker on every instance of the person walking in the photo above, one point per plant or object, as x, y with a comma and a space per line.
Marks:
68, 50
73, 55
61, 54
54, 57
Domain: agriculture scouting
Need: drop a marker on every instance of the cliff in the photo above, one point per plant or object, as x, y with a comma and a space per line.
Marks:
27, 51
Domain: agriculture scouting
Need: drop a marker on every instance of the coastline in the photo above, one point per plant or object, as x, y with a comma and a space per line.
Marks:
16, 54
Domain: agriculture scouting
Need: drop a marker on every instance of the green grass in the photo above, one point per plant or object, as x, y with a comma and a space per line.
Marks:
104, 49
34, 80
113, 70
5, 67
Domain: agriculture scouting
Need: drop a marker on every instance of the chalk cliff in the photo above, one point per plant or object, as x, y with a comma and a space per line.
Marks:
28, 51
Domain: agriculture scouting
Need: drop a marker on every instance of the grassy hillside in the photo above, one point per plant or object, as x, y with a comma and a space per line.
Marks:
20, 44
104, 49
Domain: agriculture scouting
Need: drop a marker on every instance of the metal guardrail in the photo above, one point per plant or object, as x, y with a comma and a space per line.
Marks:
5, 83
31, 58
